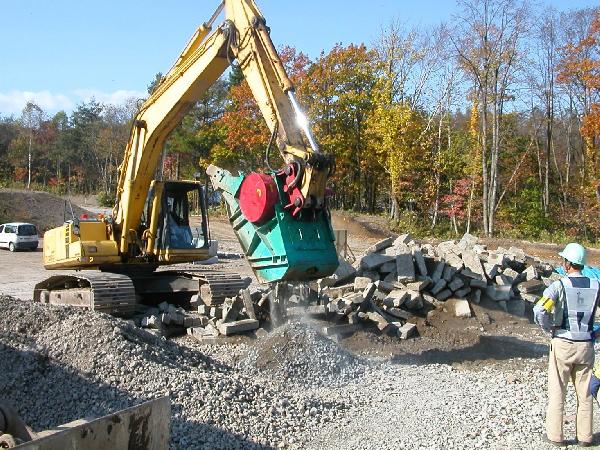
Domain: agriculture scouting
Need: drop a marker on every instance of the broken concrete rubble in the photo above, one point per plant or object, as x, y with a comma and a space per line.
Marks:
394, 284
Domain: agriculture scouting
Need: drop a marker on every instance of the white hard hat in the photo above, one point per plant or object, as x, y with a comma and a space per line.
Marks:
574, 253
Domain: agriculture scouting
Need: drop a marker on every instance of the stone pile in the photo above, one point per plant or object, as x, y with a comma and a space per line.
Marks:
400, 278
394, 283
206, 322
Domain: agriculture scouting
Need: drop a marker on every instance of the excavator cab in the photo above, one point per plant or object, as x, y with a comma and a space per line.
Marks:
171, 236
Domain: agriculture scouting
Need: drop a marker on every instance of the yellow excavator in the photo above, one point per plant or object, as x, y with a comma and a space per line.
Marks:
280, 218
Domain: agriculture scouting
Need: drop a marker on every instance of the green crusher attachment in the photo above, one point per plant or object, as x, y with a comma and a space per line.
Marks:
278, 245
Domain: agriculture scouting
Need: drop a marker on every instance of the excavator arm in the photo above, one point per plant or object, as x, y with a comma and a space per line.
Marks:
281, 218
242, 37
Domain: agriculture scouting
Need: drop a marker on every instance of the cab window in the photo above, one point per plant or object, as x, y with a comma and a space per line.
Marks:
1, 228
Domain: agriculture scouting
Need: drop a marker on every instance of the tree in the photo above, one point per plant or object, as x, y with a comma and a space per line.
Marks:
580, 66
158, 78
338, 92
31, 120
486, 43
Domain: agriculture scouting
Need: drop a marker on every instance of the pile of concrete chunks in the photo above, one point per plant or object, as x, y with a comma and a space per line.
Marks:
206, 322
399, 279
394, 283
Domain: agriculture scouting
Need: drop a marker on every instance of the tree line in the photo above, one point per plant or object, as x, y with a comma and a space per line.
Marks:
488, 123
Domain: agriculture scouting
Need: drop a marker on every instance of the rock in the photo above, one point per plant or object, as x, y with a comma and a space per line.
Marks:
438, 271
438, 287
448, 273
504, 280
368, 291
191, 321
467, 241
513, 274
414, 300
388, 267
419, 285
343, 273
396, 298
491, 270
480, 284
381, 245
516, 307
407, 330
382, 323
530, 273
399, 313
455, 284
453, 260
238, 327
248, 303
216, 312
460, 307
432, 300
231, 309
531, 298
473, 263
355, 298
391, 277
386, 287
405, 268
261, 333
403, 239
374, 261
371, 275
446, 247
498, 293
475, 296
151, 322
339, 291
420, 262
462, 293
443, 295
532, 287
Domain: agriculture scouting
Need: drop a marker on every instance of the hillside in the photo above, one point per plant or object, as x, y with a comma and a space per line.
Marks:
40, 208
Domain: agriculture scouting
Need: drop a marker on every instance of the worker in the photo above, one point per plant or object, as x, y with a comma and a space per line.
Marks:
567, 310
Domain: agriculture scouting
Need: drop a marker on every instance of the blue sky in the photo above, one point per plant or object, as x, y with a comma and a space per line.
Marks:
61, 52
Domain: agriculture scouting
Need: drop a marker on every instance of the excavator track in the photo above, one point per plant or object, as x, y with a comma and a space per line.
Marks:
111, 293
117, 294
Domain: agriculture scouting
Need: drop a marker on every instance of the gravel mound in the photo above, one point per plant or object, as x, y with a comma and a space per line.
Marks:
296, 353
40, 208
291, 389
60, 364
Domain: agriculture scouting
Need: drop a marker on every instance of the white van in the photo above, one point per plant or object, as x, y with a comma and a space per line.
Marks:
18, 235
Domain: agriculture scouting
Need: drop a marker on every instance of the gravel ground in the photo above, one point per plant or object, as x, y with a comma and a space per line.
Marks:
291, 389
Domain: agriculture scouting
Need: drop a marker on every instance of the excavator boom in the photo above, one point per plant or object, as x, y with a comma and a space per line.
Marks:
281, 218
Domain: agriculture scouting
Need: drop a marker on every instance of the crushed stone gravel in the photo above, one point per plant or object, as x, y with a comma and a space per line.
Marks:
291, 389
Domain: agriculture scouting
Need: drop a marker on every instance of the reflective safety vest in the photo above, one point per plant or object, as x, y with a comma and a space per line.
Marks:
579, 306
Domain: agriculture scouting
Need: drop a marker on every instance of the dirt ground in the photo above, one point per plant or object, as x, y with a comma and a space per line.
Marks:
491, 335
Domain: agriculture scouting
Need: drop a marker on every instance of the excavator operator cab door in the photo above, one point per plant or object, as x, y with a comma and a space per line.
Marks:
178, 219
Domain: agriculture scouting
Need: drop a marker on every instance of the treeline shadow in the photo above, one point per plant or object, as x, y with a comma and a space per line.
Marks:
496, 348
